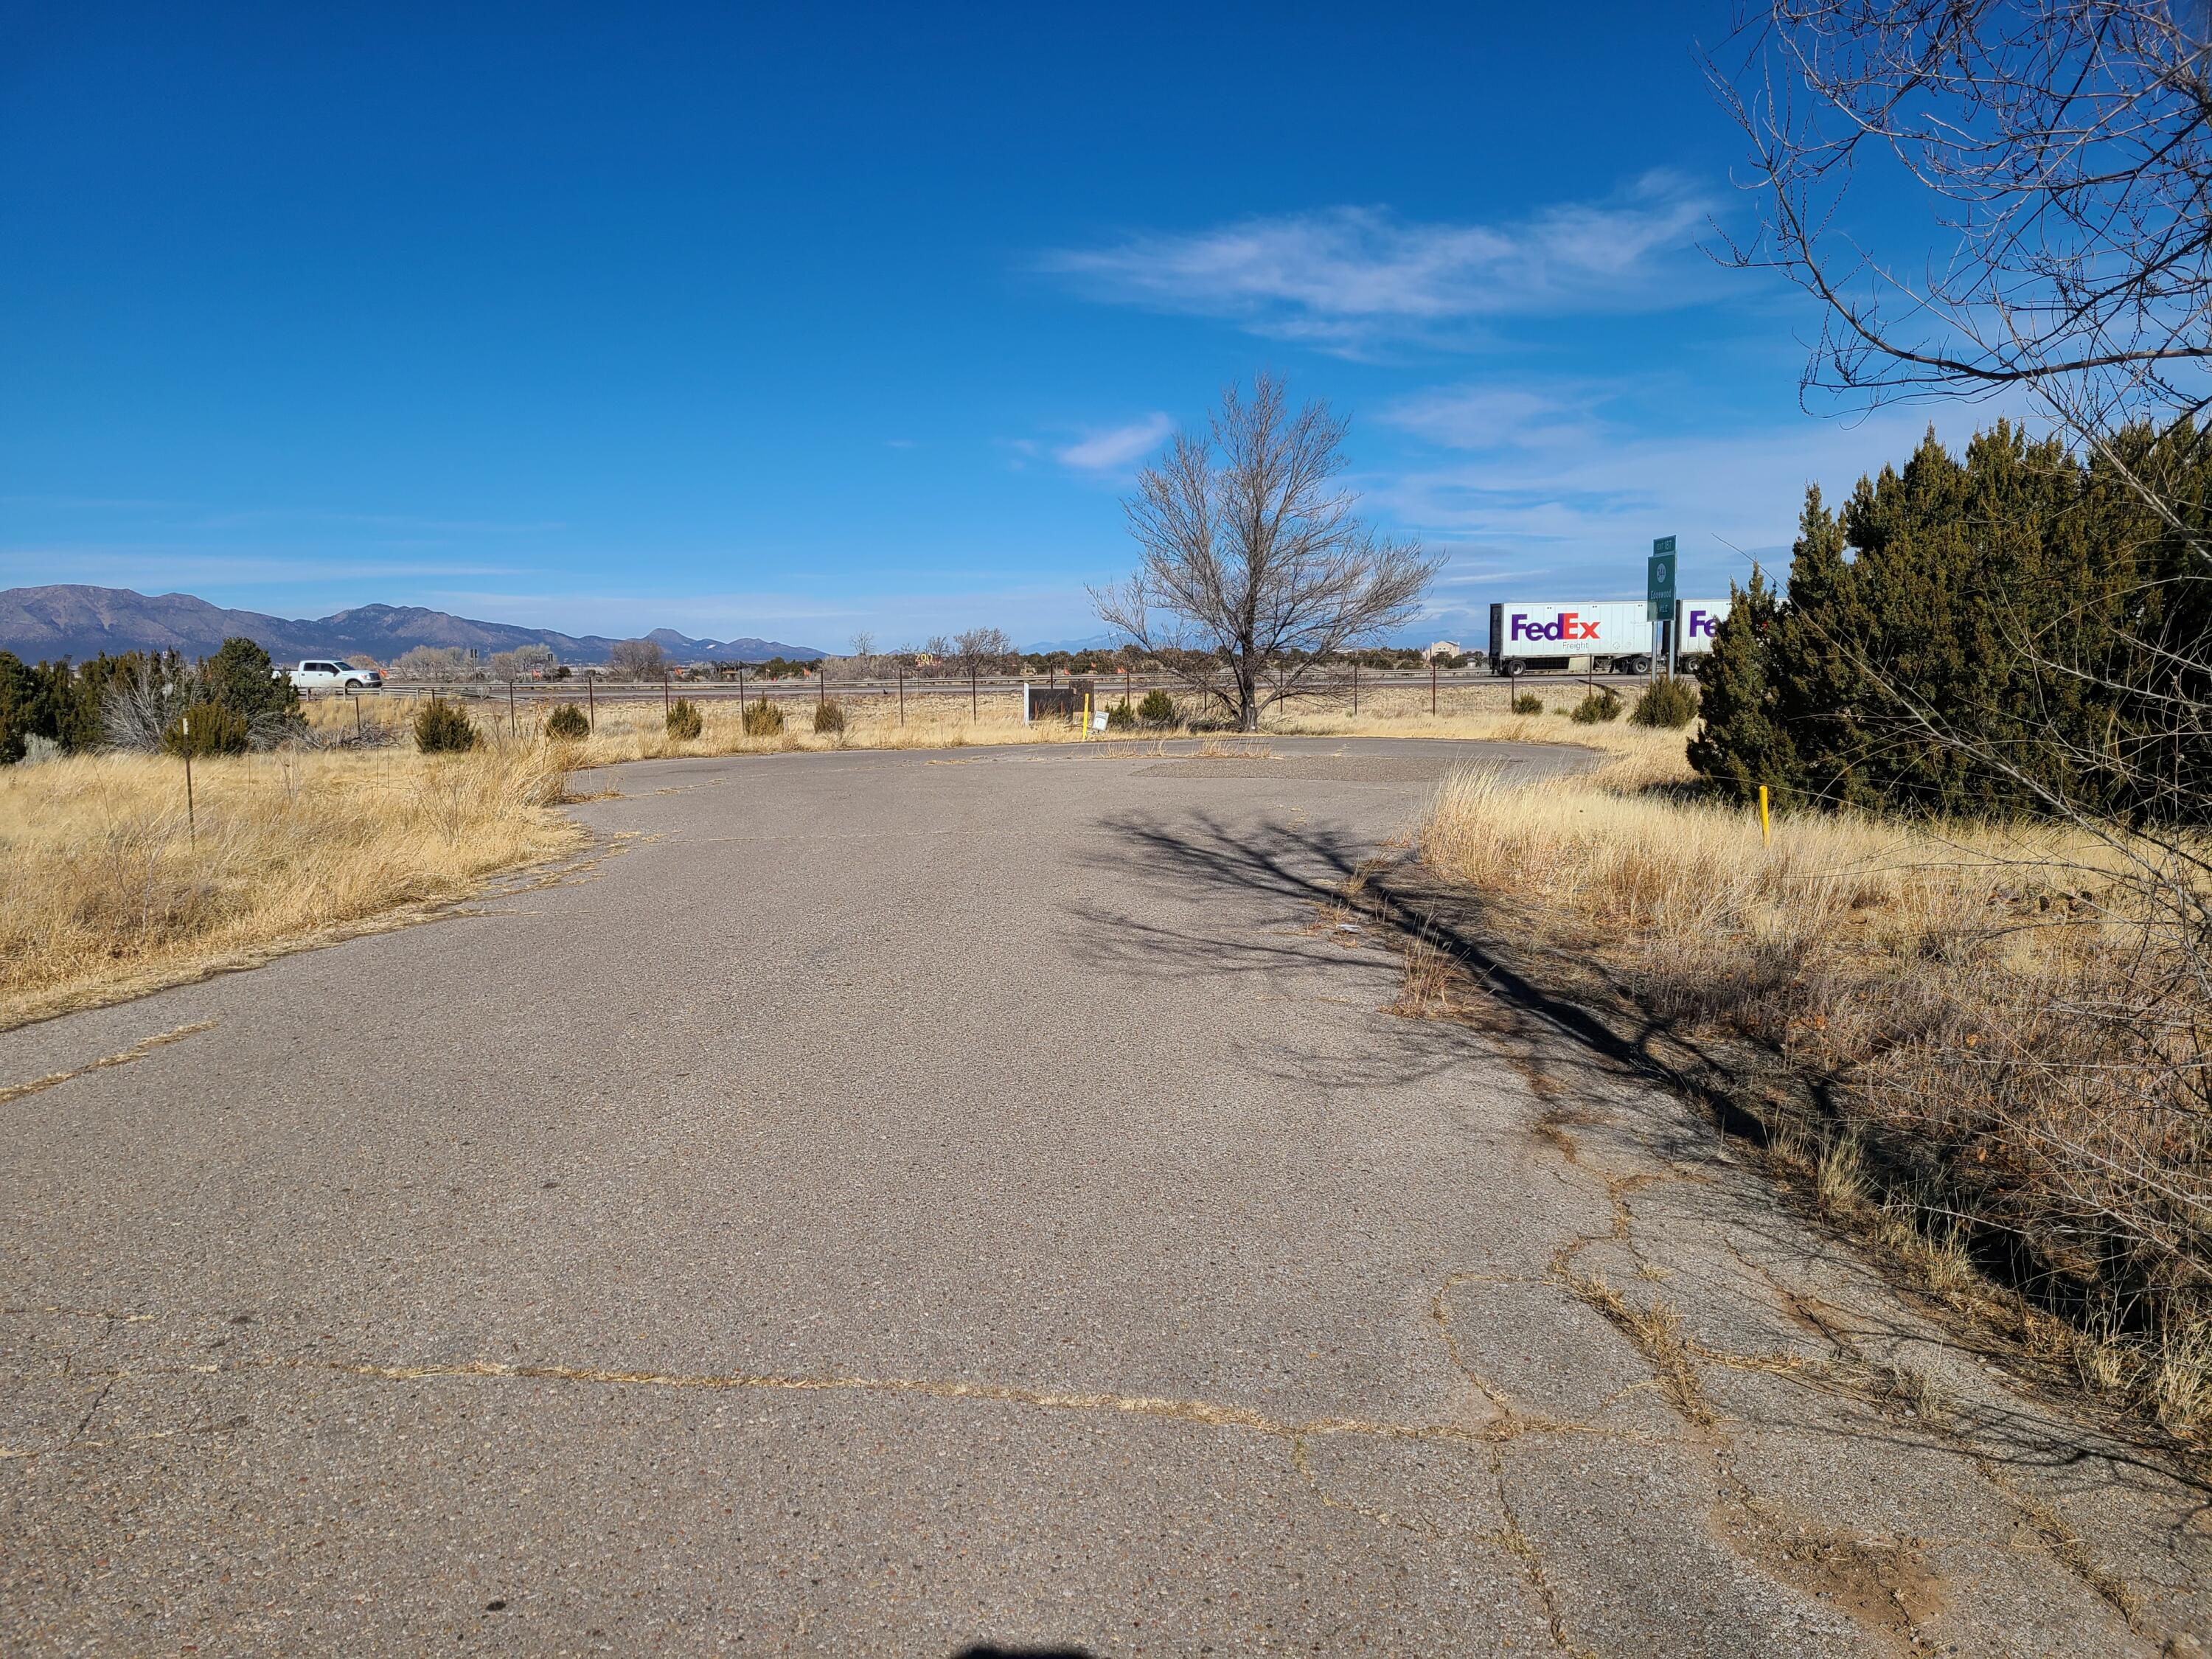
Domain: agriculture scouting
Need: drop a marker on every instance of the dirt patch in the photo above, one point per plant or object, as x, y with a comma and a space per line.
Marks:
1881, 1585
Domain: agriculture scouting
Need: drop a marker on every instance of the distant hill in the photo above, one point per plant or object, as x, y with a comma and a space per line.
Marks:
1088, 643
70, 620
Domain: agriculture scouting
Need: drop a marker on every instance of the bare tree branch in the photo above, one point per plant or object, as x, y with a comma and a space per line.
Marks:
1252, 565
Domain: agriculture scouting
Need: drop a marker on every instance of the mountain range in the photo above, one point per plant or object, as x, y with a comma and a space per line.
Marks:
72, 620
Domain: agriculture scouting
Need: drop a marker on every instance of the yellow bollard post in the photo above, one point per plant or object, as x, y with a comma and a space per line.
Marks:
1765, 823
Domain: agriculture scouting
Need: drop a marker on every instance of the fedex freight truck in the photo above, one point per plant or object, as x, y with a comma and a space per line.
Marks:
1577, 639
1694, 622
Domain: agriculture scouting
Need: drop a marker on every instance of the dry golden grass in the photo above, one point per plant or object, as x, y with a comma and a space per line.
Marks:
1971, 1002
1613, 850
104, 893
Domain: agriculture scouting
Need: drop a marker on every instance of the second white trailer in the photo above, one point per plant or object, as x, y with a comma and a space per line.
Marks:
1694, 622
1604, 636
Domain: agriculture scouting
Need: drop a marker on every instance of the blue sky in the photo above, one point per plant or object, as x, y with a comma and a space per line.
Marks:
803, 321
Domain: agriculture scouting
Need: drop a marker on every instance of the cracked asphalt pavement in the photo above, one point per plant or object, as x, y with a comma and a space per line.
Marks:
932, 1202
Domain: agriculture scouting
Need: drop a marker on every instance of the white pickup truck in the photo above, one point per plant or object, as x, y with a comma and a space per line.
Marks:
332, 674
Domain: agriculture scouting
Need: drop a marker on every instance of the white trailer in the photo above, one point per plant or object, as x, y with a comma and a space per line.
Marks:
1694, 622
1602, 637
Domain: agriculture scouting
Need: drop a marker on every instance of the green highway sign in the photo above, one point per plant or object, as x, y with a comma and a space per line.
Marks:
1659, 580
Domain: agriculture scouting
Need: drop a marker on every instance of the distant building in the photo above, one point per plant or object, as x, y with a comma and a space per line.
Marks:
1444, 648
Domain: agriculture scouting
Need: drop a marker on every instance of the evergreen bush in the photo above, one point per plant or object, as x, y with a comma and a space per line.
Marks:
241, 678
1157, 709
75, 701
568, 724
1121, 717
206, 728
1669, 701
683, 722
1602, 704
1743, 744
20, 700
763, 719
1527, 702
830, 718
2009, 632
443, 728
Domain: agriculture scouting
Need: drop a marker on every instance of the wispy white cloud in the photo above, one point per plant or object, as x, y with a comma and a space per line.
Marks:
158, 567
1343, 277
201, 516
1589, 511
1103, 452
1497, 416
243, 518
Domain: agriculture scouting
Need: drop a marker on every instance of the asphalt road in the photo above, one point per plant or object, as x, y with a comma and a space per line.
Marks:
914, 1203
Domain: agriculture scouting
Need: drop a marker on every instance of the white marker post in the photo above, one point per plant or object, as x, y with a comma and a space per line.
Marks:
192, 818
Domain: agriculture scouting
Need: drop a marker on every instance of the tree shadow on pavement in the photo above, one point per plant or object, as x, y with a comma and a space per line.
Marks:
1309, 870
1588, 1036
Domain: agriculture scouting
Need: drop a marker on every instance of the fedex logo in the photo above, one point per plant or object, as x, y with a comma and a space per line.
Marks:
1700, 625
1568, 626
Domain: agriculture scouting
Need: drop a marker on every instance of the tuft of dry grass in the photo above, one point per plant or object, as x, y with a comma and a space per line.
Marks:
106, 890
1969, 1007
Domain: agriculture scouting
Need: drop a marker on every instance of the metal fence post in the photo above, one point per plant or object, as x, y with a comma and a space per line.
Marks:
974, 710
590, 704
1355, 685
901, 693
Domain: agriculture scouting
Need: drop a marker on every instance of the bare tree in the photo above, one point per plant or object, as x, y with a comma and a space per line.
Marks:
522, 662
138, 708
981, 649
436, 663
2066, 149
637, 659
1252, 565
864, 645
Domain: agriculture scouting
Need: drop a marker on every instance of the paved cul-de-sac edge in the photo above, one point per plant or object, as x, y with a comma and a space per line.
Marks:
905, 1203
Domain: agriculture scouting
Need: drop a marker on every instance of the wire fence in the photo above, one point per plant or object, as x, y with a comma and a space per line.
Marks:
1440, 694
